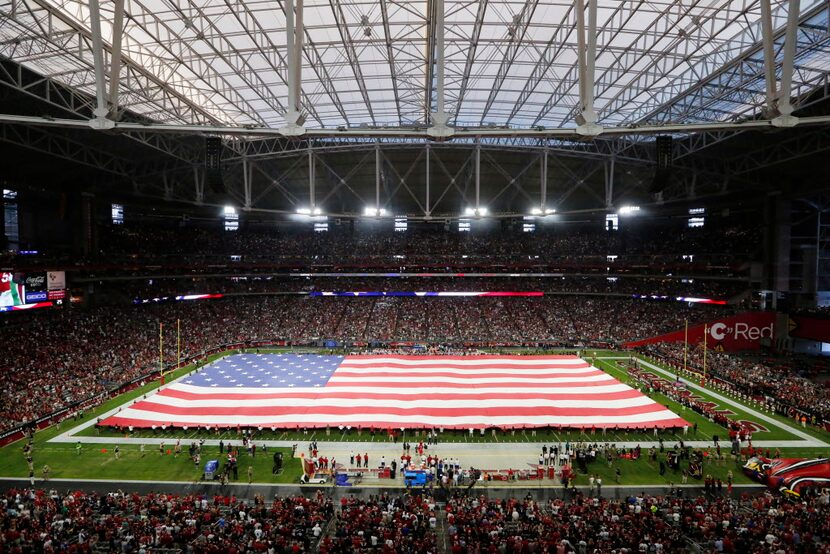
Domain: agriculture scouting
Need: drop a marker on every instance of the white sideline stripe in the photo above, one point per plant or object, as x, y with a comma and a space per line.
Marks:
772, 421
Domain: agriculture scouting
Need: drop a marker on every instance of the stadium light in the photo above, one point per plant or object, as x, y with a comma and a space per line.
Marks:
310, 211
370, 211
230, 210
542, 211
629, 210
481, 211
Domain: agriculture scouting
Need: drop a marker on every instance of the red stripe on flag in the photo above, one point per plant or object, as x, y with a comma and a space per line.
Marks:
355, 423
322, 409
448, 396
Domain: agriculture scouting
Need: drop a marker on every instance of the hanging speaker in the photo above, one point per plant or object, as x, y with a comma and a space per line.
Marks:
213, 153
664, 152
662, 176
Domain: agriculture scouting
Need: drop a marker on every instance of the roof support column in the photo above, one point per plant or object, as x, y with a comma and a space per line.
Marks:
100, 120
247, 168
478, 177
115, 59
199, 182
769, 55
426, 204
784, 106
439, 116
543, 181
609, 183
377, 178
311, 178
294, 42
587, 52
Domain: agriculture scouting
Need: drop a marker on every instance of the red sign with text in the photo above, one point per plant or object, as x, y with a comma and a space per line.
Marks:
740, 332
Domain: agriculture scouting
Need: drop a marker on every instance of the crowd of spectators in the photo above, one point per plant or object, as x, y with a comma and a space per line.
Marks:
388, 523
638, 523
61, 357
37, 520
648, 245
719, 244
781, 383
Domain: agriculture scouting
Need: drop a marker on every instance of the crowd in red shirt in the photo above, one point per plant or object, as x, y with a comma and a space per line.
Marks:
639, 523
35, 520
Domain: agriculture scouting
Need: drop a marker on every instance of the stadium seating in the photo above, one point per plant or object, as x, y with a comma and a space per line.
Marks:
48, 521
772, 380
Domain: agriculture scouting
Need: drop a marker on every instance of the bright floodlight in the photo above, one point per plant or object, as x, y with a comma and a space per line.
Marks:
370, 211
542, 211
309, 211
230, 210
480, 211
628, 210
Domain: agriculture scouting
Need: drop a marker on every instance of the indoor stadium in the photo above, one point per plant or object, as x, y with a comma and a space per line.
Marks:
414, 276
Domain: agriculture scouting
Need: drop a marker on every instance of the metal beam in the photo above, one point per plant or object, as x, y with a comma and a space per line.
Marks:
543, 181
377, 178
477, 169
609, 183
199, 184
769, 55
311, 178
590, 61
247, 177
292, 114
387, 35
471, 53
426, 202
100, 110
516, 34
784, 99
476, 133
351, 54
115, 56
65, 148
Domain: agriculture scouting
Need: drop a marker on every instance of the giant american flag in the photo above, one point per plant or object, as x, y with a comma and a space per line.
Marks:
389, 391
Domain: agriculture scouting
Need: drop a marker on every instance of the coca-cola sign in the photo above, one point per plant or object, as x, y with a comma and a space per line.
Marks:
744, 331
35, 282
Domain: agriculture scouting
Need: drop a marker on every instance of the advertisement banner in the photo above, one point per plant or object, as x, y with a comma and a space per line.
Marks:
34, 282
812, 328
57, 280
56, 294
39, 296
744, 331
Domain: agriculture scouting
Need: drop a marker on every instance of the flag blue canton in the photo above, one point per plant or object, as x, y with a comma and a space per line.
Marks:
267, 371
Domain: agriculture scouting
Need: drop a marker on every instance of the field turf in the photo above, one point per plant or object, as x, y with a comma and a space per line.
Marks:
97, 461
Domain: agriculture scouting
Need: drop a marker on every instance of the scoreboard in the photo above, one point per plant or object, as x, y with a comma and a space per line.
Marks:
31, 290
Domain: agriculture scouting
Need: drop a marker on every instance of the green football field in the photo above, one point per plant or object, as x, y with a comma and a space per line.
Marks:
97, 461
